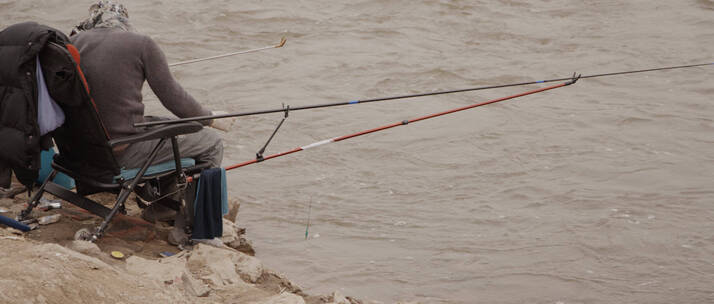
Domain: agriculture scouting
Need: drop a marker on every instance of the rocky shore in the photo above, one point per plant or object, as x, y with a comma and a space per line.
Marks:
47, 265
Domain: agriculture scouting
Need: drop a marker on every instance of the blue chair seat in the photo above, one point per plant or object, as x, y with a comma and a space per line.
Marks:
128, 174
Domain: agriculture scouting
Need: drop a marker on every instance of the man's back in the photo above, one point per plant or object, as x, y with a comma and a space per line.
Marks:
116, 63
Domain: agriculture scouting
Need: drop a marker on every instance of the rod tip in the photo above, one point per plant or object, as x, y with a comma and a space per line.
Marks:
282, 42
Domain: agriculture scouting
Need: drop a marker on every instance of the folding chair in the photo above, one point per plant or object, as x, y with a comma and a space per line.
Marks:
85, 149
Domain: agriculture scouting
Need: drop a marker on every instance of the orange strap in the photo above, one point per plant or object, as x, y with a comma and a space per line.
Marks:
74, 52
75, 55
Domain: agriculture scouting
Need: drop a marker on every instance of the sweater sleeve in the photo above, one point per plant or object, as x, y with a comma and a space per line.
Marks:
166, 88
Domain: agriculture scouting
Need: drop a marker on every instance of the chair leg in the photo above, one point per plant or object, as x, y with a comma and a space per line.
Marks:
123, 195
127, 189
184, 209
188, 197
35, 200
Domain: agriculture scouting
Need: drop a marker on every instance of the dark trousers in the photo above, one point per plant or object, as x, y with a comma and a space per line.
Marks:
5, 176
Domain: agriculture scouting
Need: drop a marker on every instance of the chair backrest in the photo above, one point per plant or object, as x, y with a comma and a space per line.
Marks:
82, 140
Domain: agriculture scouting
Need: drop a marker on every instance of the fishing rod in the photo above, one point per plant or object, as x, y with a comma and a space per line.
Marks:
208, 117
260, 158
279, 45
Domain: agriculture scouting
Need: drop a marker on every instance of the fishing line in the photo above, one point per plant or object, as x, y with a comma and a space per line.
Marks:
198, 118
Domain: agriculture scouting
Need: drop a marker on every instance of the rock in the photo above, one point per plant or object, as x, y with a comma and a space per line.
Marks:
249, 268
233, 206
214, 264
171, 271
358, 301
243, 245
229, 232
233, 237
338, 298
177, 236
224, 266
11, 231
85, 247
280, 282
193, 286
246, 246
6, 202
167, 269
215, 242
49, 273
283, 298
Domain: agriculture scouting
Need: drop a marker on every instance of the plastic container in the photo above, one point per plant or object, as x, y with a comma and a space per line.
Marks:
49, 219
46, 204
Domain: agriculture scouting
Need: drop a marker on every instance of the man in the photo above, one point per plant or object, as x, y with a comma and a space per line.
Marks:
116, 61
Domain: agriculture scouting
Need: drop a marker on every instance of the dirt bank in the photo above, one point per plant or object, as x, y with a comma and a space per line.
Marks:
47, 265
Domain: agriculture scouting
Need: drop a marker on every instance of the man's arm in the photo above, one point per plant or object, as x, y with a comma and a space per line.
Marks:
166, 88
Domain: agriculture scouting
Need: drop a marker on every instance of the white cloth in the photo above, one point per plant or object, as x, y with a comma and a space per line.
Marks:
49, 114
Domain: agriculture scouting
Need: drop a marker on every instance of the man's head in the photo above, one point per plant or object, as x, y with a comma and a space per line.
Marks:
105, 14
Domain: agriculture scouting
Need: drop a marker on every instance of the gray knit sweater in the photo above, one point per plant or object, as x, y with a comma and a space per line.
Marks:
116, 63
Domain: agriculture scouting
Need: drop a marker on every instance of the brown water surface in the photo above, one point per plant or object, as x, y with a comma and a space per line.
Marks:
601, 192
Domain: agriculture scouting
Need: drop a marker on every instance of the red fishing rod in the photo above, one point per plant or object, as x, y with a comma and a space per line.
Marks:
260, 157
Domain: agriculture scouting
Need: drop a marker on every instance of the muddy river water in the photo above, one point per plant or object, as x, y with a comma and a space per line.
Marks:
601, 192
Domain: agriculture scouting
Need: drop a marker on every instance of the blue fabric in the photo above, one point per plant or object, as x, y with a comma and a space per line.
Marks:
46, 168
156, 169
224, 193
210, 204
